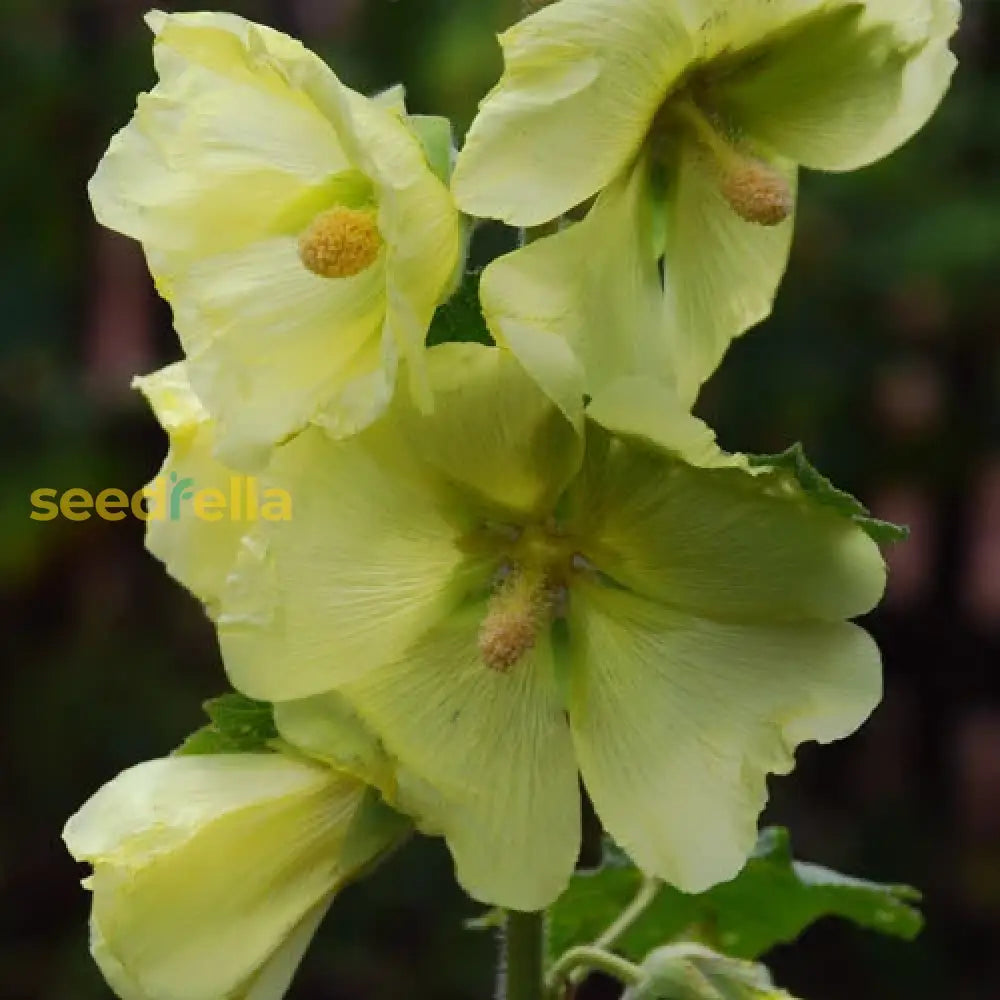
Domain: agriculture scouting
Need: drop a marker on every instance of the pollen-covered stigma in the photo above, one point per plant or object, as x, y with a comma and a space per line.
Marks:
341, 242
531, 592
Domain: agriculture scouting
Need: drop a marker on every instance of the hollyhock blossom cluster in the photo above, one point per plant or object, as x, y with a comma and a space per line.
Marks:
514, 573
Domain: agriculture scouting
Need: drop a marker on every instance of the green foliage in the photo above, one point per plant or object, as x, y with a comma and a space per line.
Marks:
772, 901
816, 485
238, 725
460, 319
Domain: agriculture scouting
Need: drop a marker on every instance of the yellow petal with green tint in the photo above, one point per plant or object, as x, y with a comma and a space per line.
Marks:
721, 272
493, 433
369, 561
326, 728
269, 343
210, 873
197, 547
595, 287
926, 79
720, 542
496, 748
828, 92
650, 411
222, 151
582, 81
678, 720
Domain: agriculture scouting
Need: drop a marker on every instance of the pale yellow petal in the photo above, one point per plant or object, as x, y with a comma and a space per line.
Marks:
269, 343
496, 747
582, 82
192, 527
720, 271
493, 433
595, 286
720, 542
369, 561
222, 151
677, 722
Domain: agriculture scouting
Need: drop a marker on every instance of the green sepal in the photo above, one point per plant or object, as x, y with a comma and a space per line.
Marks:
376, 831
436, 136
819, 488
238, 725
460, 319
772, 901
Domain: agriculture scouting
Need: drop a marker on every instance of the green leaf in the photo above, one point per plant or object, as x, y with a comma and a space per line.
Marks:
772, 901
460, 319
238, 725
819, 488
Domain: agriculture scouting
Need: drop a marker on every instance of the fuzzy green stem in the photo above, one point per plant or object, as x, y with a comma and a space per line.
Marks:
522, 969
587, 958
648, 891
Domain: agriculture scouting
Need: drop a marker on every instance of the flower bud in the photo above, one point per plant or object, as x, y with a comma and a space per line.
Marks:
690, 971
211, 873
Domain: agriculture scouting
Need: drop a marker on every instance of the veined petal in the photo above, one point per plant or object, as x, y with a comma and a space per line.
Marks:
211, 872
720, 542
495, 746
582, 82
198, 547
493, 433
649, 411
327, 729
828, 91
270, 343
720, 271
677, 721
369, 561
595, 286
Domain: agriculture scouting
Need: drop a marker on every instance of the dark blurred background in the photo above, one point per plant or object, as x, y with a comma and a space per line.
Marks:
883, 357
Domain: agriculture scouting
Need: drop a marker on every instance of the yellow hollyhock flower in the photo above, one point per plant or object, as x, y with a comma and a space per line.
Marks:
296, 227
211, 873
508, 597
687, 121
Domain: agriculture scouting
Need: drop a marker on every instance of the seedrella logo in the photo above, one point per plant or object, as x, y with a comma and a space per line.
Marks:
167, 498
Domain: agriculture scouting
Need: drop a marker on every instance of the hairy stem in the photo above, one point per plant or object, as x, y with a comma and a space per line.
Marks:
522, 965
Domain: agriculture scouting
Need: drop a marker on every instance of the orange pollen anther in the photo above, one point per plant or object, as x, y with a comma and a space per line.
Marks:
757, 192
341, 242
517, 611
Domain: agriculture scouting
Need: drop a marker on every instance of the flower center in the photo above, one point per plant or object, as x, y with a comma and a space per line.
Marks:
755, 190
530, 595
520, 606
341, 242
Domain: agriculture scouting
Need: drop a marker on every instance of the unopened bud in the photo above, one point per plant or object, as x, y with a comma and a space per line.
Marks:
690, 971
